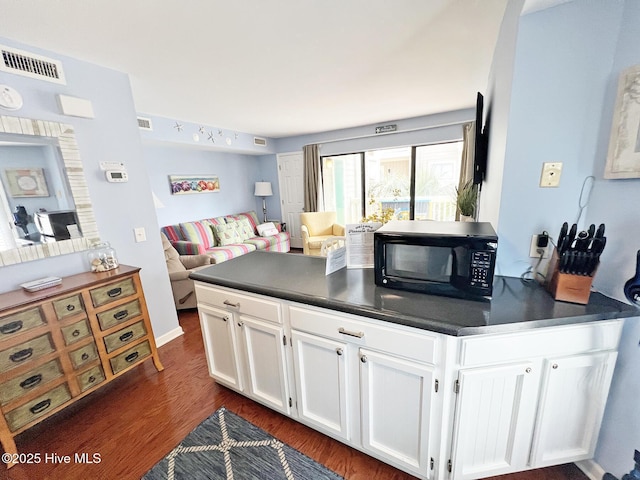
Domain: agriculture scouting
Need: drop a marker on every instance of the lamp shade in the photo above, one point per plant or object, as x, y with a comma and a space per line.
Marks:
263, 189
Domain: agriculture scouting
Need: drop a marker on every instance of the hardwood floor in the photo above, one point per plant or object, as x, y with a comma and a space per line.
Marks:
138, 418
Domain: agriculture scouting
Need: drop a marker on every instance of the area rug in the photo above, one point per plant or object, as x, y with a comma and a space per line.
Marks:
226, 446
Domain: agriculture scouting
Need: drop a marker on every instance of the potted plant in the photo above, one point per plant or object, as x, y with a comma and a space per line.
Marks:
467, 196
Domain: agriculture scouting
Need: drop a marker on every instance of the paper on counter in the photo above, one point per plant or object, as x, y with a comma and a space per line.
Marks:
360, 244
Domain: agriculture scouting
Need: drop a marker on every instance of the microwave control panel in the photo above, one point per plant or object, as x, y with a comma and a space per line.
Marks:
480, 269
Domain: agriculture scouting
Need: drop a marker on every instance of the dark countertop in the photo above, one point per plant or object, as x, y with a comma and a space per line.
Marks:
515, 305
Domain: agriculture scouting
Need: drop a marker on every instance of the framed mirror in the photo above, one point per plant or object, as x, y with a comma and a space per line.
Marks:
61, 180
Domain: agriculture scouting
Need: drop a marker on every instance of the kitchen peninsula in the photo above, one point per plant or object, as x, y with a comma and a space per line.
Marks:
438, 387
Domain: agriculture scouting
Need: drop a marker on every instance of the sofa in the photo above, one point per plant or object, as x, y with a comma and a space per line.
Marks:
226, 237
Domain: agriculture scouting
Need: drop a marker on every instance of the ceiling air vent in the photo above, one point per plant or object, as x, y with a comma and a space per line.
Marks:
145, 123
261, 142
31, 65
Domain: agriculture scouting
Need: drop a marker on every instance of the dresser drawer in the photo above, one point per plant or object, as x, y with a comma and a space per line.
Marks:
112, 292
126, 335
18, 386
83, 355
117, 315
68, 306
34, 409
25, 352
130, 357
20, 322
91, 378
259, 307
76, 331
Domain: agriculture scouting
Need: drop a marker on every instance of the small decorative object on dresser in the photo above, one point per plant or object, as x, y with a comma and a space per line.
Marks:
59, 344
102, 257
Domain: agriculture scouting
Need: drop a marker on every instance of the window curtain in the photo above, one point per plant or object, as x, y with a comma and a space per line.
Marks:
468, 153
311, 171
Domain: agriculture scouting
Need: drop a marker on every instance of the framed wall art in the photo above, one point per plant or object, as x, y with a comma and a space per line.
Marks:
623, 158
26, 182
187, 184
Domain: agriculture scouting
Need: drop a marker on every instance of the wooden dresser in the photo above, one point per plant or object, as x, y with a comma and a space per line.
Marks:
60, 344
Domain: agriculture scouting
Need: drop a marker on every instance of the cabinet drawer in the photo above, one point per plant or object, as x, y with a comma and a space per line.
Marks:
112, 292
91, 378
34, 409
130, 357
76, 331
20, 322
542, 342
119, 314
83, 355
68, 306
259, 307
25, 352
18, 386
401, 341
124, 336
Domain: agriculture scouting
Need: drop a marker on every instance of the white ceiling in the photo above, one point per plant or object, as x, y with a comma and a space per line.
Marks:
279, 68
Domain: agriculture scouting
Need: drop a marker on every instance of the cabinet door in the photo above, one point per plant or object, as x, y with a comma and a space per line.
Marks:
320, 368
495, 413
264, 358
572, 401
220, 346
395, 405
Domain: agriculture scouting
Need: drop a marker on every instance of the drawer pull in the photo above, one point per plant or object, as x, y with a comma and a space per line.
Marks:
131, 357
85, 356
126, 336
11, 327
75, 333
91, 379
231, 304
121, 314
114, 292
351, 334
31, 382
40, 406
339, 351
363, 359
71, 307
21, 356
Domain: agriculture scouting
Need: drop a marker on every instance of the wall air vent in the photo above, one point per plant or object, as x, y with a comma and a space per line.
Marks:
145, 123
31, 65
260, 142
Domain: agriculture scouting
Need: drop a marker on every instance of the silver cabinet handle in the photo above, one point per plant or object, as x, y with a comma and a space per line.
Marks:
225, 318
240, 324
554, 366
351, 334
528, 370
339, 351
231, 304
363, 359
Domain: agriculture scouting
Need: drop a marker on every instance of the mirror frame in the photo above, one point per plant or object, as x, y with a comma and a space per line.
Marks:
64, 134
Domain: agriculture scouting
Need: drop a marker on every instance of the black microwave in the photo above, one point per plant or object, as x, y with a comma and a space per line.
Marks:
441, 258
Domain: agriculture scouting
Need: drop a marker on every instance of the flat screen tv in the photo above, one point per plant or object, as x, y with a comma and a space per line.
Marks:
481, 147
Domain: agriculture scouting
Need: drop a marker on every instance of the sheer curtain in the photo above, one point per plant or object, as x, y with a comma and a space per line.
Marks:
311, 157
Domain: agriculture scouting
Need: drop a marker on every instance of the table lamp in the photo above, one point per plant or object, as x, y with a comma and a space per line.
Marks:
263, 189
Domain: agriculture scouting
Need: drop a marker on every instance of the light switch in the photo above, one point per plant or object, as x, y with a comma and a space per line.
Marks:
140, 234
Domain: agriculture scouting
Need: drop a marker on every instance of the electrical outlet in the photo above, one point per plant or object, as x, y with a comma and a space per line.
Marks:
550, 176
533, 248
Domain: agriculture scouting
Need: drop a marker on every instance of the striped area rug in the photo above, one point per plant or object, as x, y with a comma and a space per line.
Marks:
228, 447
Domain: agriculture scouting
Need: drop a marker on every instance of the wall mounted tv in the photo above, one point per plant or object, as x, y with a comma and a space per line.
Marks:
481, 147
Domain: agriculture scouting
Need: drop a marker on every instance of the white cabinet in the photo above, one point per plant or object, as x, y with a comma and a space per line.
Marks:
572, 401
245, 352
543, 406
495, 412
321, 383
355, 382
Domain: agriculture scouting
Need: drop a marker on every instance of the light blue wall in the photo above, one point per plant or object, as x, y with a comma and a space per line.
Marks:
567, 63
236, 172
111, 136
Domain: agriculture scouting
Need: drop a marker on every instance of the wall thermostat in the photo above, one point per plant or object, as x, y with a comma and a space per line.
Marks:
116, 176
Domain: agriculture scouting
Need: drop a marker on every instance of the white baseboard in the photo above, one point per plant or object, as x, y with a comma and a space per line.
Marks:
591, 469
167, 337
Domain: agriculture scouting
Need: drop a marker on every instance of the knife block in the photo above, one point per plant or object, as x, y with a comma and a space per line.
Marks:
566, 287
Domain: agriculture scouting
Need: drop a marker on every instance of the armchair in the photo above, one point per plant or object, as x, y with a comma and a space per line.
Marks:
317, 227
179, 268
